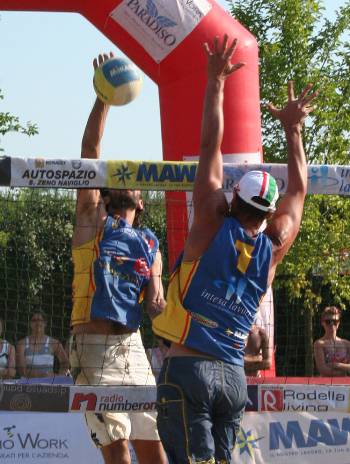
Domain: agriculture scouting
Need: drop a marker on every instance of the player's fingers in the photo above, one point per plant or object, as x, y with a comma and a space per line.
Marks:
216, 44
305, 91
231, 49
291, 90
207, 49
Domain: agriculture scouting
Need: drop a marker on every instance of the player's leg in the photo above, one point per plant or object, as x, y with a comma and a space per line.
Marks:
228, 411
149, 452
184, 399
116, 453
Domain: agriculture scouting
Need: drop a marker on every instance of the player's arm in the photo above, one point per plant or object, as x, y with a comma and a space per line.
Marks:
262, 360
154, 293
21, 359
285, 222
208, 199
90, 210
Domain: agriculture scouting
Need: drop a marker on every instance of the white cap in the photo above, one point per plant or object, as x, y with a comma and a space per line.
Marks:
258, 184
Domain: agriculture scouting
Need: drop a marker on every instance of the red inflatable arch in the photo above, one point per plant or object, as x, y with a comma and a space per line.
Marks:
165, 40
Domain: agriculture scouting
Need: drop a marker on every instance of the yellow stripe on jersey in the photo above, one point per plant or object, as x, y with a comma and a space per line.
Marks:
174, 322
84, 257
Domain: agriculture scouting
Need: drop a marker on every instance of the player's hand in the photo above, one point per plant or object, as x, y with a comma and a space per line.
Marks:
297, 108
219, 58
101, 59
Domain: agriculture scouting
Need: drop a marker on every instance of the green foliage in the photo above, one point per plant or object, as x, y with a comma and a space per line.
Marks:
35, 258
10, 123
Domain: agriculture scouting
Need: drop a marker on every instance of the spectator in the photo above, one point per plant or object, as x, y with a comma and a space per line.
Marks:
332, 353
257, 354
36, 353
157, 354
7, 356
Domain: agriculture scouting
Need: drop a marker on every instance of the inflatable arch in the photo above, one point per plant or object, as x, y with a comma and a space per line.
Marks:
164, 38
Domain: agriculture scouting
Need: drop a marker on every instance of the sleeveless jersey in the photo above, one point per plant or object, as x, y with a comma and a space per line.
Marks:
41, 360
212, 302
111, 273
4, 354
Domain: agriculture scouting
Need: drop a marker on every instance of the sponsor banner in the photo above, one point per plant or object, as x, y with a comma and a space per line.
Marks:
39, 397
309, 398
253, 398
162, 175
160, 26
58, 173
112, 398
303, 438
46, 438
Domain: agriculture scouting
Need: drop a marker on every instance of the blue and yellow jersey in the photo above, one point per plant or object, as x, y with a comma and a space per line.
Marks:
111, 272
212, 302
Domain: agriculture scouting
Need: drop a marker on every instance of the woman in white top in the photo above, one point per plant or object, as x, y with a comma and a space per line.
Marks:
36, 353
7, 357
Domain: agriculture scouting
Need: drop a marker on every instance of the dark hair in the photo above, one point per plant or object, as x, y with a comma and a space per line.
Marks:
40, 312
251, 211
104, 192
330, 311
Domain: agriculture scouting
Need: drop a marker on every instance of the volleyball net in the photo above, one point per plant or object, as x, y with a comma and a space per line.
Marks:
37, 218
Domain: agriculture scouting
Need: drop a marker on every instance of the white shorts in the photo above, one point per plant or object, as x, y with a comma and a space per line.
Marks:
114, 360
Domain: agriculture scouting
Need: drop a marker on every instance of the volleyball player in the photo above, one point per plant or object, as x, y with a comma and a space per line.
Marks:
115, 263
225, 270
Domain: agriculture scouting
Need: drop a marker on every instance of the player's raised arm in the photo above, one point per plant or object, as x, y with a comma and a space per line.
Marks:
90, 210
285, 222
210, 170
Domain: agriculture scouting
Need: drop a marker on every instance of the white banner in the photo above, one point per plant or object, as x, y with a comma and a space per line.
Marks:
161, 175
159, 26
303, 438
46, 438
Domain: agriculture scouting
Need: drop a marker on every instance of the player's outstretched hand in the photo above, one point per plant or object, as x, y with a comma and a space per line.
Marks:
297, 108
219, 58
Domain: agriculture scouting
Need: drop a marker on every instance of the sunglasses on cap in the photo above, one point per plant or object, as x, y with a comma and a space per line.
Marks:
331, 321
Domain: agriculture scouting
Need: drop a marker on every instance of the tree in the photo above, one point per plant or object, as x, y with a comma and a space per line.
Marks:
298, 42
10, 123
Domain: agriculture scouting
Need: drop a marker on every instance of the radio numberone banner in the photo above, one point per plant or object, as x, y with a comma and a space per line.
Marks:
162, 175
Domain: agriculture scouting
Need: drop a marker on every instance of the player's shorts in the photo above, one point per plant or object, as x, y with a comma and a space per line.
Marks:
114, 360
200, 405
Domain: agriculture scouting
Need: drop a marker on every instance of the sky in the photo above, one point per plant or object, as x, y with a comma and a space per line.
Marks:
46, 77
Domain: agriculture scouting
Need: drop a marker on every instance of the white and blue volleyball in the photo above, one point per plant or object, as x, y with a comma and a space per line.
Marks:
117, 81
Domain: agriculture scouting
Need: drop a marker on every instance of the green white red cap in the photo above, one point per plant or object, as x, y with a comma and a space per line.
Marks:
258, 184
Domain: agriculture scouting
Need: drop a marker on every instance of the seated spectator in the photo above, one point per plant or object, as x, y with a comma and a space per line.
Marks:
36, 353
257, 354
332, 353
7, 357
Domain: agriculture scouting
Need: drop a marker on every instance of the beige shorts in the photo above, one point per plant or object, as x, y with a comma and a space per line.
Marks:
114, 360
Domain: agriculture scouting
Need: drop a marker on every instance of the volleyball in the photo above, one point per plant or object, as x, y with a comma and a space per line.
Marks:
117, 81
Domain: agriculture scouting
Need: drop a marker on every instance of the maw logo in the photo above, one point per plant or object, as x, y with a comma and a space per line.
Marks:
86, 402
246, 442
171, 173
292, 435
